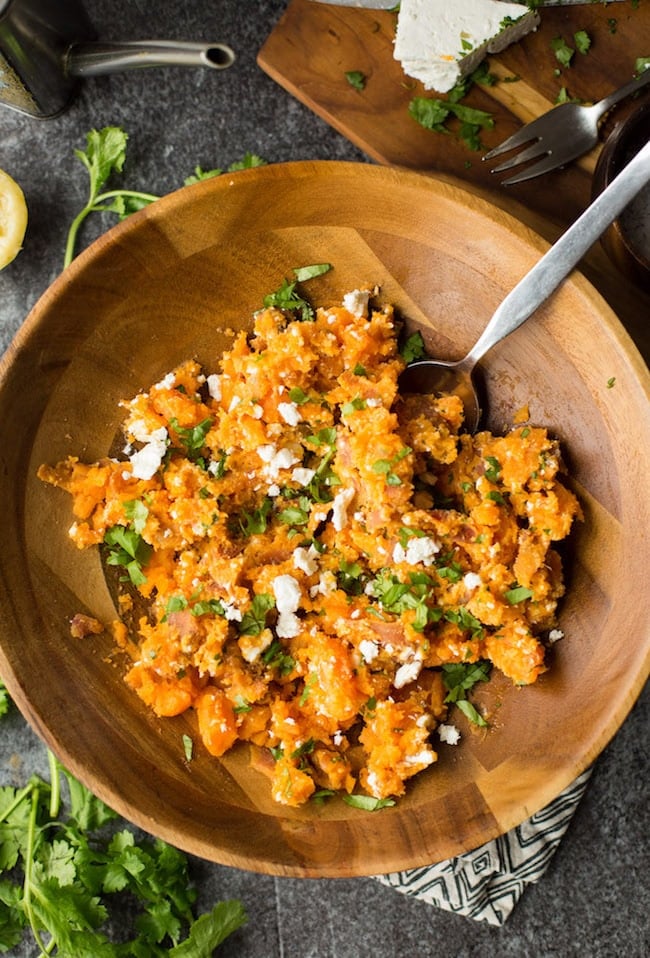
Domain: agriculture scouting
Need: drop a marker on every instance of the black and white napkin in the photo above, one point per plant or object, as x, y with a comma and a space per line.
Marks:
486, 883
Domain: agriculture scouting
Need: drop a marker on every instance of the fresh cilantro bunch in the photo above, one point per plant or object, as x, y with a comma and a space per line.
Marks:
104, 155
63, 867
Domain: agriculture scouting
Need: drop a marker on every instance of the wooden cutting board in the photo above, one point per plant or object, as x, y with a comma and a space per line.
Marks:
315, 44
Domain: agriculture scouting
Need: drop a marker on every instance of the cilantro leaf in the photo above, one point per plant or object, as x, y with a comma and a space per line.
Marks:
210, 929
5, 699
518, 594
458, 678
303, 273
356, 79
367, 802
128, 549
413, 348
254, 620
105, 153
192, 437
563, 52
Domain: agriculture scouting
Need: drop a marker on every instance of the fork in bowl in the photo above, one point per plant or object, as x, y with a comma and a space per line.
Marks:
562, 134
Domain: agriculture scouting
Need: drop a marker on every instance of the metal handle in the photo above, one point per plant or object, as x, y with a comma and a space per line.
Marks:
604, 106
98, 59
556, 264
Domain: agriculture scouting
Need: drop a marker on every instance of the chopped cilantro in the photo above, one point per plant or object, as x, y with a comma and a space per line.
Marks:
136, 512
563, 52
192, 437
367, 803
356, 79
517, 594
354, 405
413, 348
275, 657
208, 607
433, 114
254, 620
188, 747
128, 549
254, 523
324, 437
464, 619
582, 41
297, 515
286, 297
493, 468
459, 678
299, 396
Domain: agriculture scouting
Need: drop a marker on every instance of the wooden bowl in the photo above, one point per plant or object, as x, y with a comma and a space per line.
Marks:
165, 285
622, 241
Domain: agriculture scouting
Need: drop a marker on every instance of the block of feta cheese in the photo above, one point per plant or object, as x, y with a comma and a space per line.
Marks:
439, 42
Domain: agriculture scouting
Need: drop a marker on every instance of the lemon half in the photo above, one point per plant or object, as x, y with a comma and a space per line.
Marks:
13, 218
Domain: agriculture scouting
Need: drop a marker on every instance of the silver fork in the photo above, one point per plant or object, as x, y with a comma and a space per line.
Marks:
562, 134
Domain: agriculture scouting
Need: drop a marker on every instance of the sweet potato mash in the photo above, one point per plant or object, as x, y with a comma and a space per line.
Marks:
319, 553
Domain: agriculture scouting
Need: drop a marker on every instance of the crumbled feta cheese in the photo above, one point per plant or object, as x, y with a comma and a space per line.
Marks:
326, 585
283, 459
340, 508
555, 635
418, 549
407, 673
305, 559
252, 646
214, 386
287, 594
232, 613
168, 382
141, 432
273, 491
449, 734
303, 476
234, 402
369, 649
290, 413
425, 757
356, 302
471, 581
258, 411
146, 461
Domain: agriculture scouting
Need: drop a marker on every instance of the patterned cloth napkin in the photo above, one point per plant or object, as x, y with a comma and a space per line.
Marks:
486, 883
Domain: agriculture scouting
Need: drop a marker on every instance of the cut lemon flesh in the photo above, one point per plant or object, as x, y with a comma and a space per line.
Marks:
13, 218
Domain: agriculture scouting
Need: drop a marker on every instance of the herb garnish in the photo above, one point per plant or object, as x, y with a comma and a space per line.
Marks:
287, 298
459, 678
104, 155
254, 620
356, 79
63, 867
127, 548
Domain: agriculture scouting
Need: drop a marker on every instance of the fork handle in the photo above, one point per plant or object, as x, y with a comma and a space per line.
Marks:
556, 264
604, 106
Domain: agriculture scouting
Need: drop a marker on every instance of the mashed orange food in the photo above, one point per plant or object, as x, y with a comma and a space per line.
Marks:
316, 549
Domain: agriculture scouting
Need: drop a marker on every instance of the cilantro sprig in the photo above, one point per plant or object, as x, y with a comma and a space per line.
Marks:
104, 156
66, 864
